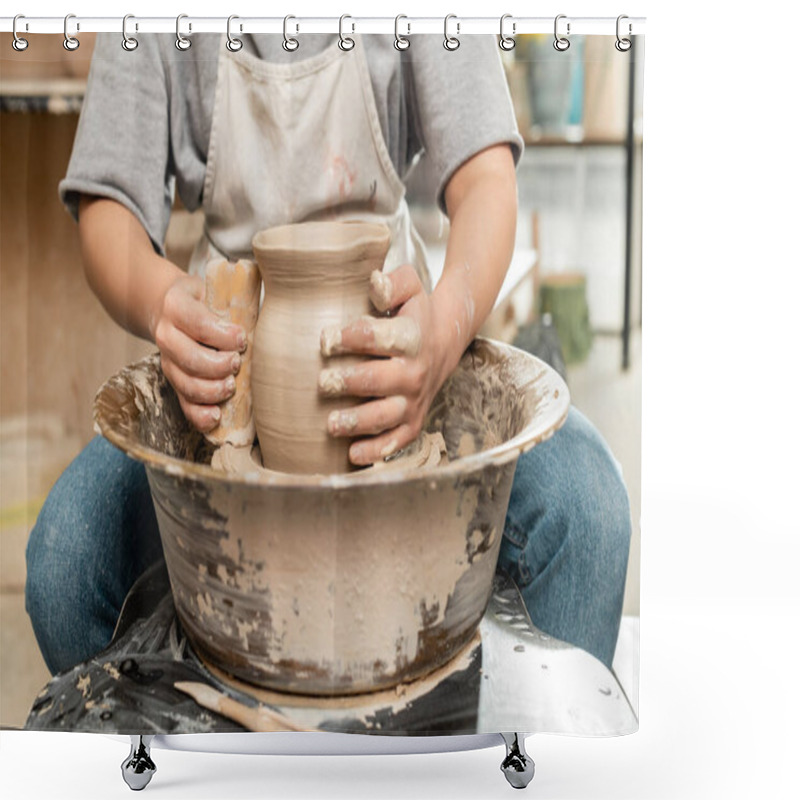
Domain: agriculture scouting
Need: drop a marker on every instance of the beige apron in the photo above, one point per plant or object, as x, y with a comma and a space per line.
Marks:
295, 142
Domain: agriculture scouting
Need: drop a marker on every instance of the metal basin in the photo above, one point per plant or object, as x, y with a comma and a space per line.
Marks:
338, 584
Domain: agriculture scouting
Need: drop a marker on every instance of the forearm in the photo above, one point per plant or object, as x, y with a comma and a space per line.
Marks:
127, 275
154, 299
482, 201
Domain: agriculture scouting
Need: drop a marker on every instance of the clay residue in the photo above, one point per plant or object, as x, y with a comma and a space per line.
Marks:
146, 394
466, 444
138, 408
84, 685
330, 340
426, 452
479, 408
398, 336
380, 290
111, 670
331, 382
342, 421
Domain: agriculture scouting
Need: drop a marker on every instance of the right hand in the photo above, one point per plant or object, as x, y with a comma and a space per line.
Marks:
200, 352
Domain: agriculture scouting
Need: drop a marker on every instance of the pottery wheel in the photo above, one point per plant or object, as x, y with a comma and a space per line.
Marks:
513, 677
130, 686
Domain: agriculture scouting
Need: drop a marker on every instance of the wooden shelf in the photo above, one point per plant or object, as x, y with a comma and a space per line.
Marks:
50, 95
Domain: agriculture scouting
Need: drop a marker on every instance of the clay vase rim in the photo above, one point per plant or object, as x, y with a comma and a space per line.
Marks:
320, 240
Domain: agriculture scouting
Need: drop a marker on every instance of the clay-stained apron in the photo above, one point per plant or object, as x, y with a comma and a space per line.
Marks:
299, 141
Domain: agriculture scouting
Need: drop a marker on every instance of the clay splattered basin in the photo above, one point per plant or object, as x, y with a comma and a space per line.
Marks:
346, 583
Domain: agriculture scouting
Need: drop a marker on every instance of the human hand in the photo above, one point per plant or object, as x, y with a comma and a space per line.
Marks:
408, 367
200, 353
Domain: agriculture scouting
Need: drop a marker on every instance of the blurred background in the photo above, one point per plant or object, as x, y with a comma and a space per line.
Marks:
573, 295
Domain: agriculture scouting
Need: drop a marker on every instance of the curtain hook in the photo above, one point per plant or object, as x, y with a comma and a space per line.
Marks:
18, 43
181, 42
561, 43
623, 45
233, 44
451, 42
346, 42
129, 43
70, 42
507, 42
401, 42
290, 44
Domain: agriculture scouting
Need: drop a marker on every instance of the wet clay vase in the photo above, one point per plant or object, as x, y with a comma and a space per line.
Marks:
316, 274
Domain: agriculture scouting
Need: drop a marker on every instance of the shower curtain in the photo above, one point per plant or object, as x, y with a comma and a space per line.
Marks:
509, 178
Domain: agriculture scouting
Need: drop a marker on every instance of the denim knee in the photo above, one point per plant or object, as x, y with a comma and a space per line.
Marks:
58, 590
567, 537
95, 533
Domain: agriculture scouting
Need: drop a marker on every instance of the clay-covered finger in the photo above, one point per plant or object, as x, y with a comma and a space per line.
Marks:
203, 418
368, 418
388, 290
198, 390
195, 320
200, 361
373, 378
368, 451
398, 336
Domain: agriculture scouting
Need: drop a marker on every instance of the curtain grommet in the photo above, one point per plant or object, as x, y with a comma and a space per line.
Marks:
233, 44
451, 43
71, 43
401, 42
623, 44
129, 43
346, 43
181, 42
18, 43
507, 43
561, 43
289, 44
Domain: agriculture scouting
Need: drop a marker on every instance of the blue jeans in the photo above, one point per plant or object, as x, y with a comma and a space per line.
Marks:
565, 544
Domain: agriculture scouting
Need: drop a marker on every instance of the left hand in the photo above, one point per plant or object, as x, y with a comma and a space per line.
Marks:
409, 366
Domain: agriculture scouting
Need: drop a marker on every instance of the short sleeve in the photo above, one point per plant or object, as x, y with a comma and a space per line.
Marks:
461, 103
121, 148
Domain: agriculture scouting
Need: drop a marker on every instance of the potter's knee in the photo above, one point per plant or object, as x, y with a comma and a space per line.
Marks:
35, 574
54, 568
603, 532
61, 549
45, 587
569, 497
61, 534
599, 509
65, 594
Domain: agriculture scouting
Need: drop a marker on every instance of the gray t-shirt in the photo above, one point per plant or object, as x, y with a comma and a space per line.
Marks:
146, 118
